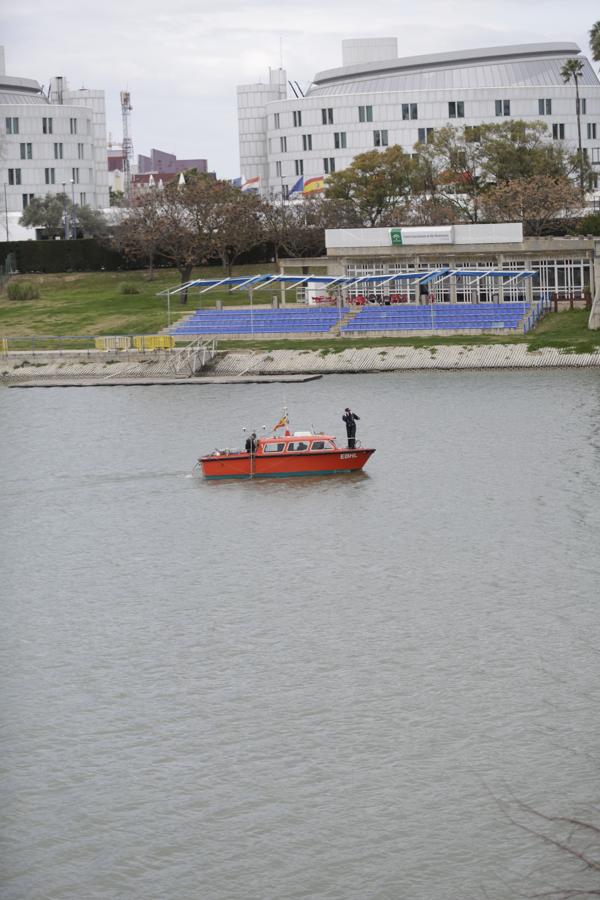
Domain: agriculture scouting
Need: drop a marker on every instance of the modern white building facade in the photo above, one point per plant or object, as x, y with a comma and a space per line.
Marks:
376, 100
51, 142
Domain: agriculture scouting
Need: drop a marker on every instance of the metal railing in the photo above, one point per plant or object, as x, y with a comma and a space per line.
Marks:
538, 309
192, 358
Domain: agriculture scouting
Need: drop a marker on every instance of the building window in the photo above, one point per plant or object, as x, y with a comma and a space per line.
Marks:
582, 110
380, 138
365, 113
285, 192
27, 198
327, 116
75, 175
88, 123
558, 131
409, 111
339, 140
299, 166
545, 107
425, 136
14, 176
26, 151
456, 109
297, 114
73, 126
503, 107
278, 169
329, 165
591, 131
283, 144
80, 151
50, 175
83, 198
58, 151
12, 125
307, 142
276, 121
46, 125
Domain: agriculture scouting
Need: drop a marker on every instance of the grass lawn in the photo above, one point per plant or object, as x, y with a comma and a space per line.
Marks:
91, 303
83, 303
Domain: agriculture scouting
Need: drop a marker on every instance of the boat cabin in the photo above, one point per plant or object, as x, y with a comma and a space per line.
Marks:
298, 442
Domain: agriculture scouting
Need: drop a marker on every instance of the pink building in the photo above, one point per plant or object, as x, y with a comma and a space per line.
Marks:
161, 163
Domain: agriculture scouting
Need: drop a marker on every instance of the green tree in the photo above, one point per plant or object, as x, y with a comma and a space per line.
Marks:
595, 41
92, 222
520, 149
376, 185
573, 69
48, 213
447, 174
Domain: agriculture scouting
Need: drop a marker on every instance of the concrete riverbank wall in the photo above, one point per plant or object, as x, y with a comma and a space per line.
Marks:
386, 359
74, 365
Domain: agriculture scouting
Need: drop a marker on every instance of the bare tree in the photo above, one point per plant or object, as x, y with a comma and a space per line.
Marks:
539, 202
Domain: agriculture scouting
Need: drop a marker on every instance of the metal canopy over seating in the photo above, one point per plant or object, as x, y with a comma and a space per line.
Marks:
253, 283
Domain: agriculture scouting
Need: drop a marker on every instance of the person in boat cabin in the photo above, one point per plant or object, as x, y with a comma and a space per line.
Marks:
350, 419
251, 443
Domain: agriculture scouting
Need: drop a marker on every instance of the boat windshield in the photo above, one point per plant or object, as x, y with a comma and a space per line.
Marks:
297, 445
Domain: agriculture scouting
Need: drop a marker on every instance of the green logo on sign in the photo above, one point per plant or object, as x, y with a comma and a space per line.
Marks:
396, 236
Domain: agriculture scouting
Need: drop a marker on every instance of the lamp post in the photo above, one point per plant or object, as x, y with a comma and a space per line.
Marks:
73, 216
6, 212
65, 217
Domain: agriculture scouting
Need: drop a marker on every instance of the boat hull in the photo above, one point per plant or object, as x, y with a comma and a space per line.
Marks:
285, 465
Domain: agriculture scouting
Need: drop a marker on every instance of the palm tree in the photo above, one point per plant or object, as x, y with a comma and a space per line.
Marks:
595, 41
573, 68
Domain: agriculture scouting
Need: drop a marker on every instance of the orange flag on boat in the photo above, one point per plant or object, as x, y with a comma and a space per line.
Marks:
282, 422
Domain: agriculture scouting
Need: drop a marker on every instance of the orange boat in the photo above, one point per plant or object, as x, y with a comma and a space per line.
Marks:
297, 453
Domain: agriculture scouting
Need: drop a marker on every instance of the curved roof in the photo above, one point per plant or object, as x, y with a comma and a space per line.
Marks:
522, 65
20, 90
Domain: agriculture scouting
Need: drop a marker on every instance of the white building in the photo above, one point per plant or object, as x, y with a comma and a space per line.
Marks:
376, 100
50, 143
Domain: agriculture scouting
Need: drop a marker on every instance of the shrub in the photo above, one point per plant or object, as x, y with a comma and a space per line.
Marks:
127, 287
22, 290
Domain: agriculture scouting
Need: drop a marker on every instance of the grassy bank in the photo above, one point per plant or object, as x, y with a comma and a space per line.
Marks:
93, 304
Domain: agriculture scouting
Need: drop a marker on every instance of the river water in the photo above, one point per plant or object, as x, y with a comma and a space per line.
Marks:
315, 688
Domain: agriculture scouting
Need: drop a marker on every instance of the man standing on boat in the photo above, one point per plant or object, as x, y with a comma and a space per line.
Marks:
251, 443
350, 419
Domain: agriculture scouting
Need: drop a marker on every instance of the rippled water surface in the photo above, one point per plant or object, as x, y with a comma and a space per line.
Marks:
314, 688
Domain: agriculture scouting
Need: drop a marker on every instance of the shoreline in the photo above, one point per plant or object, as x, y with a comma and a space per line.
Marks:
99, 367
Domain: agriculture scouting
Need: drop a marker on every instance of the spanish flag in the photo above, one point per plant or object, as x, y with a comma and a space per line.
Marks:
314, 185
282, 422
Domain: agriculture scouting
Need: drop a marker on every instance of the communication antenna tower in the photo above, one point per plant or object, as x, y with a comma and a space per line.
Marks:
127, 142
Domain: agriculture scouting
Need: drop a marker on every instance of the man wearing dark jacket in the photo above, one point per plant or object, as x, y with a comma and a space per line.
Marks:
350, 419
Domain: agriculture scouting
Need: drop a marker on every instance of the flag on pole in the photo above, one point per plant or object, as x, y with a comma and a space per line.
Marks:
298, 187
252, 184
283, 422
181, 182
314, 185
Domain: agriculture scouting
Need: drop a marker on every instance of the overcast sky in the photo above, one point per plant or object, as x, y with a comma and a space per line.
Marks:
182, 59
